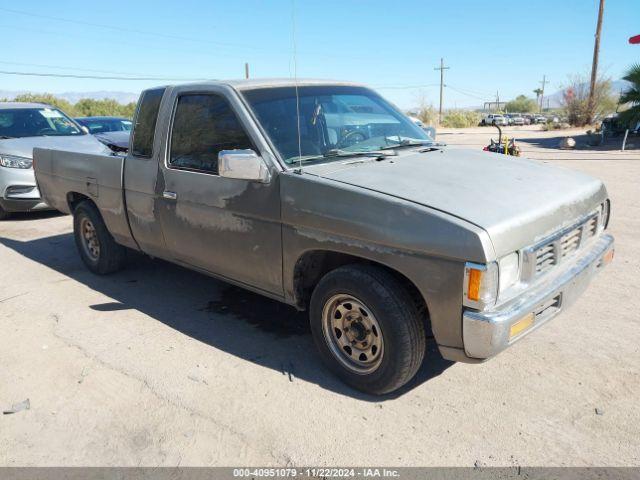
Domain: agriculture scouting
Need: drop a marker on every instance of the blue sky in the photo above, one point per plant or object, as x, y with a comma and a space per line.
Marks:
391, 45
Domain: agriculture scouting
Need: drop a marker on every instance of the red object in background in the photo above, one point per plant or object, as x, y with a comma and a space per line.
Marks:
635, 40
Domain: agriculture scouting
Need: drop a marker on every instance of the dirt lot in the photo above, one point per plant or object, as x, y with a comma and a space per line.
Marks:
158, 365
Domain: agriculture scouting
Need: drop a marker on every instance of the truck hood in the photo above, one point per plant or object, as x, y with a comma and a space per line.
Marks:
517, 201
23, 147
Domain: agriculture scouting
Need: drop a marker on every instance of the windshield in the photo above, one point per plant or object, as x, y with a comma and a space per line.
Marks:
36, 122
334, 121
102, 125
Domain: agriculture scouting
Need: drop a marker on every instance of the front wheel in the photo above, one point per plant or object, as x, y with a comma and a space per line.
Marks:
367, 328
97, 248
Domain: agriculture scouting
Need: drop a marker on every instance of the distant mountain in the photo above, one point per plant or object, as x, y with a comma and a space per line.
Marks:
555, 99
73, 97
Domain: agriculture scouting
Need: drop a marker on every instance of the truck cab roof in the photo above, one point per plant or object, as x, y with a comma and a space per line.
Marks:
250, 84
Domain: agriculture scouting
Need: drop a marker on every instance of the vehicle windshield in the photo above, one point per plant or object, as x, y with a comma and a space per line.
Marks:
102, 125
335, 121
36, 122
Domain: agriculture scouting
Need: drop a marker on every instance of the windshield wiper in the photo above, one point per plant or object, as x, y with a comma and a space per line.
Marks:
5, 137
338, 153
408, 143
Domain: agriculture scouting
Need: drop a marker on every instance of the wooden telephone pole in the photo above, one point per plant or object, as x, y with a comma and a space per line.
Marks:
442, 68
543, 83
594, 67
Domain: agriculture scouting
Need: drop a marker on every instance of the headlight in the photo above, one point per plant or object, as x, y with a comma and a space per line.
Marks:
10, 161
480, 289
509, 271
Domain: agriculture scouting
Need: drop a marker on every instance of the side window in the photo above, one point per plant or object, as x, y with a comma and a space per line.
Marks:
145, 122
203, 125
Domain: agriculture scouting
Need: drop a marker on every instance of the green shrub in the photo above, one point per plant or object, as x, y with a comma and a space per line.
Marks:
461, 119
87, 107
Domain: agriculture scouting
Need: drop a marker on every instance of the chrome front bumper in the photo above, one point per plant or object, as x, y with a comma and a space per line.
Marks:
487, 333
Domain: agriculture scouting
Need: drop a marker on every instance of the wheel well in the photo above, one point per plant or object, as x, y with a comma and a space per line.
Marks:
313, 265
74, 198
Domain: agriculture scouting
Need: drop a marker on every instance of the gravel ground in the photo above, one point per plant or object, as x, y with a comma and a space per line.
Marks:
158, 365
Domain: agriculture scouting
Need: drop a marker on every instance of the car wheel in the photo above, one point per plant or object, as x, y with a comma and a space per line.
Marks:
97, 248
4, 214
367, 328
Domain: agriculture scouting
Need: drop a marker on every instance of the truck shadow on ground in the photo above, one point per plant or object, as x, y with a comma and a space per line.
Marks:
241, 323
582, 142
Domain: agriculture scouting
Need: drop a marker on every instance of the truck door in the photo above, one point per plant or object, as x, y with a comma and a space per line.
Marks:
226, 226
140, 174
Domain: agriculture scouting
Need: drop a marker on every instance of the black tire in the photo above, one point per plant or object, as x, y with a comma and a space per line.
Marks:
4, 214
395, 311
111, 257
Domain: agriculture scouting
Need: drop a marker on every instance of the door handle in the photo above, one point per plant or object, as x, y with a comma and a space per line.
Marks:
170, 195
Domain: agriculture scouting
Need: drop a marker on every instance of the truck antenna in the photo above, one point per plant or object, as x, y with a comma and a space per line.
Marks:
295, 80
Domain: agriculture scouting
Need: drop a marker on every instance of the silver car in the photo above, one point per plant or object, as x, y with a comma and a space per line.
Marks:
24, 126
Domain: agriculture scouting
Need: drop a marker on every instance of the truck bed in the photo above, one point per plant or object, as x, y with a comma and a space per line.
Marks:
63, 177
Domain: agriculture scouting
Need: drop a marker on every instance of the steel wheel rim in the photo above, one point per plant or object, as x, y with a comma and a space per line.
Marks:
89, 238
352, 334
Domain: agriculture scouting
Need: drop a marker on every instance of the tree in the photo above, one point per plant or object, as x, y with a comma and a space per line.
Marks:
631, 97
576, 99
521, 104
426, 113
86, 107
49, 99
538, 92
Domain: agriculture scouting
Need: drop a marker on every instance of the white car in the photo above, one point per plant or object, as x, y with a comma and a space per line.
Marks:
494, 119
24, 126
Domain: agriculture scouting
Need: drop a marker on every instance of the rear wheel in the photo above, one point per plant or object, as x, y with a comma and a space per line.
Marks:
367, 328
97, 248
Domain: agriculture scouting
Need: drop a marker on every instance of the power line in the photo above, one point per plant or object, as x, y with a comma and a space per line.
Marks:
97, 77
120, 29
404, 87
59, 67
125, 29
464, 92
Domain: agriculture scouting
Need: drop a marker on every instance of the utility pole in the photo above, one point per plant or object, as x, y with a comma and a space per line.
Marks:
594, 66
442, 68
543, 83
246, 70
497, 101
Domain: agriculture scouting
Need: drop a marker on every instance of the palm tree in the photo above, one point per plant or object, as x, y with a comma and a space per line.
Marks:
631, 96
538, 92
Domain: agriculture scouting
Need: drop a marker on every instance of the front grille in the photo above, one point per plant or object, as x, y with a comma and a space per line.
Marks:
592, 226
564, 244
545, 258
570, 242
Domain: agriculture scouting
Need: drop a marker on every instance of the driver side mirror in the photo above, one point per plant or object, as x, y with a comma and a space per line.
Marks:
243, 165
84, 129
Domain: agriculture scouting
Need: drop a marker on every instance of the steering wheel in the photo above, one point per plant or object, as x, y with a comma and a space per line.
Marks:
44, 131
351, 138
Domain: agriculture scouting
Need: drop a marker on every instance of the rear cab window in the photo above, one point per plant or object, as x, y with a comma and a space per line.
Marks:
145, 122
